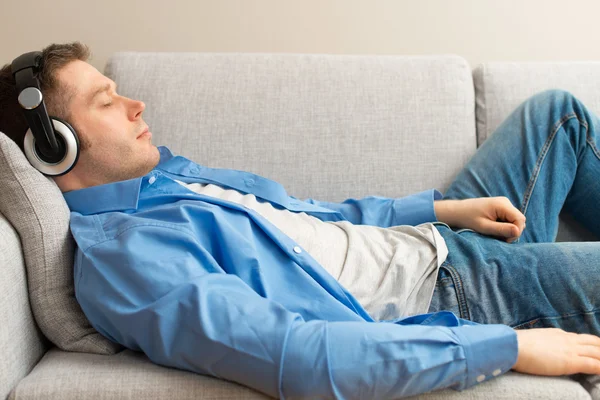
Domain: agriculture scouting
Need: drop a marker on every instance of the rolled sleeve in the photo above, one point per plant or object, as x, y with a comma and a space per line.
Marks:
416, 209
384, 212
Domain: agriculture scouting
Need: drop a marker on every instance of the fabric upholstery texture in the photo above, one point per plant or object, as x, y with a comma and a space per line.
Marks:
37, 210
21, 341
502, 86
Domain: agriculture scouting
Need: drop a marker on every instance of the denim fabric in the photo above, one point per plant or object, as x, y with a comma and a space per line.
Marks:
544, 158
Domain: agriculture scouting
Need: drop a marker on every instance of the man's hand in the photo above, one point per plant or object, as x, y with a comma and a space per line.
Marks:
493, 216
553, 351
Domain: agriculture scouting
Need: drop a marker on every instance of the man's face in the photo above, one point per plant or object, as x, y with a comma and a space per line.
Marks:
109, 127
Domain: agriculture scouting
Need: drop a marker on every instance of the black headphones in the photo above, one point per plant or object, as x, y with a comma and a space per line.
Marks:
49, 153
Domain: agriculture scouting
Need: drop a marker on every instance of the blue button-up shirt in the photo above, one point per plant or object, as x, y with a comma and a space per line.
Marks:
210, 286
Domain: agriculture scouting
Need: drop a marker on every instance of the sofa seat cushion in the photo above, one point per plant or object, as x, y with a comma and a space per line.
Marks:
131, 375
124, 375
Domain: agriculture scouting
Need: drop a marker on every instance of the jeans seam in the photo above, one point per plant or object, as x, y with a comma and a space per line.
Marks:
542, 157
593, 146
536, 319
524, 324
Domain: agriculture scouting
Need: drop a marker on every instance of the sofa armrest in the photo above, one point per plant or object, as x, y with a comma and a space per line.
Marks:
22, 344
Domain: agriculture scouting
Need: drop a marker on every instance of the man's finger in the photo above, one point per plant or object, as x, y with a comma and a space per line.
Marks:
586, 338
588, 365
507, 230
589, 351
503, 229
510, 213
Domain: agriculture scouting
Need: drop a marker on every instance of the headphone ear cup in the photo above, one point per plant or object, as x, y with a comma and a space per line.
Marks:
70, 152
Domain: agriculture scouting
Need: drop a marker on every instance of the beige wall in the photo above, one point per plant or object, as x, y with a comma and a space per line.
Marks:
478, 30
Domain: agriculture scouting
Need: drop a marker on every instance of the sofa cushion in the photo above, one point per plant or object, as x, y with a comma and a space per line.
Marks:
36, 208
126, 375
501, 86
131, 375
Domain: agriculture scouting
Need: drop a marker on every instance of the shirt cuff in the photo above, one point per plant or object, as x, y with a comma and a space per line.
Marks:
416, 209
490, 350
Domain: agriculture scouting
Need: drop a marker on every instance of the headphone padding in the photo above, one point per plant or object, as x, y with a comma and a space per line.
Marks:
71, 153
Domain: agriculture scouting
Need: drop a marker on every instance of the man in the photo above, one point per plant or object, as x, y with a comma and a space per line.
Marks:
222, 273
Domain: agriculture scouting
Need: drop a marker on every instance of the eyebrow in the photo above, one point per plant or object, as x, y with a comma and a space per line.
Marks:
99, 90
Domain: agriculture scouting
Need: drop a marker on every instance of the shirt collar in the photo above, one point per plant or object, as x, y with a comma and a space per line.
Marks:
115, 196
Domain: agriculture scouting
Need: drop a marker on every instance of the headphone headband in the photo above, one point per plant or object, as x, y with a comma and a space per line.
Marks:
25, 69
32, 59
49, 155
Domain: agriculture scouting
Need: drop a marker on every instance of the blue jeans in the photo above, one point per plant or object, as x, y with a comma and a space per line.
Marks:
544, 157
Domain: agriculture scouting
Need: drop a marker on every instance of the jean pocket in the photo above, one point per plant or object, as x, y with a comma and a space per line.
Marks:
444, 296
454, 288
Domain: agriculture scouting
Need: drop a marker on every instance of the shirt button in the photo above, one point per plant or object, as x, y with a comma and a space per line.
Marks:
480, 378
496, 372
195, 170
249, 182
152, 180
297, 249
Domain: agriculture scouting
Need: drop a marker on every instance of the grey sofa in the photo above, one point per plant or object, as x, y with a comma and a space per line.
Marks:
325, 126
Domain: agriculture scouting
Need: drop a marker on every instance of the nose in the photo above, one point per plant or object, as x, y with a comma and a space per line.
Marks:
137, 109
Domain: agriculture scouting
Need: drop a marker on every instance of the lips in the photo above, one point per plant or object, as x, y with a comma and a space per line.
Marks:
142, 134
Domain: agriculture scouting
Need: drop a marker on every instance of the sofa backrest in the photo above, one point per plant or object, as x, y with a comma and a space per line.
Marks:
502, 86
328, 127
21, 342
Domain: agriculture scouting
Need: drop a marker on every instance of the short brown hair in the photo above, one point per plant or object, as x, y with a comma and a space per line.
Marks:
54, 57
